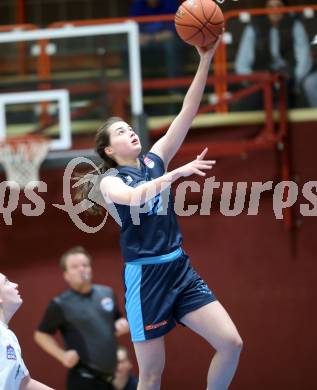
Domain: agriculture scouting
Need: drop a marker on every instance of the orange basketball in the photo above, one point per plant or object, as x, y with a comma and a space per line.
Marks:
199, 22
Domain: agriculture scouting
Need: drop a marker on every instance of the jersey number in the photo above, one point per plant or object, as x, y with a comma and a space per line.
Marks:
155, 205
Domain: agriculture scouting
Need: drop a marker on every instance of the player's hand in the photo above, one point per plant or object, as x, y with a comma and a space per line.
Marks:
70, 358
209, 51
198, 166
121, 326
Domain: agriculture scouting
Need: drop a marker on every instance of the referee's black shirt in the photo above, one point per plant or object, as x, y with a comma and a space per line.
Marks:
86, 322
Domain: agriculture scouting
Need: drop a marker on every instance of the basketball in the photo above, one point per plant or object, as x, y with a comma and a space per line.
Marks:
199, 22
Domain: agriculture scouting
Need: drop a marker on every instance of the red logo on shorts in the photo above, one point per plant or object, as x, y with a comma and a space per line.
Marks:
155, 326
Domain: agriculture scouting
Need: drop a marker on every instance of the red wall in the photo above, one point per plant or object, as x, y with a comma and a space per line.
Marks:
247, 260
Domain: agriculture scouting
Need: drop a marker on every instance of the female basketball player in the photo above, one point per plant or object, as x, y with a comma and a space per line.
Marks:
161, 286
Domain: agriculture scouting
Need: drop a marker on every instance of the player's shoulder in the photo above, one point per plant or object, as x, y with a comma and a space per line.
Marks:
7, 335
153, 160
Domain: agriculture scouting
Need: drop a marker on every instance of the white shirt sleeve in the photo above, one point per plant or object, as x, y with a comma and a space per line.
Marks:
246, 51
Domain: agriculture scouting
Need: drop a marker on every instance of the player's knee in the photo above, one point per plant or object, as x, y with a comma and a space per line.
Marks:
151, 380
230, 345
152, 374
234, 343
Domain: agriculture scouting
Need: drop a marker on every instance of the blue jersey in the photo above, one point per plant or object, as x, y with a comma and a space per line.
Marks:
154, 231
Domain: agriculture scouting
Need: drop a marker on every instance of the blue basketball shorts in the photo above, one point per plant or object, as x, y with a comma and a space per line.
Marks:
159, 291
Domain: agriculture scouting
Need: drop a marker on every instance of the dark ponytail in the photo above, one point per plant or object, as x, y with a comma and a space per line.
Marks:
102, 140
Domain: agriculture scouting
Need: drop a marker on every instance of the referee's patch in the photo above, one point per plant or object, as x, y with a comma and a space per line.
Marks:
11, 353
107, 304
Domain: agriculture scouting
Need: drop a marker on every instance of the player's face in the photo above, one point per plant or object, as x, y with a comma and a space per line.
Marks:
9, 293
78, 270
275, 18
124, 142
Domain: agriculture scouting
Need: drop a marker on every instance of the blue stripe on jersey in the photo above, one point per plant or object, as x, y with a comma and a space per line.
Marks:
158, 259
132, 277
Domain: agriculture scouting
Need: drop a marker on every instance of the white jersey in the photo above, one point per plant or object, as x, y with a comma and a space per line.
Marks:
12, 367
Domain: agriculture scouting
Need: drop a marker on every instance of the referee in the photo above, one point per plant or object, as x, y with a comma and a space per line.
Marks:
88, 319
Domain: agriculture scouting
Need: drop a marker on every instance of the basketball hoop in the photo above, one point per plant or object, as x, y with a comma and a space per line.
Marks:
22, 156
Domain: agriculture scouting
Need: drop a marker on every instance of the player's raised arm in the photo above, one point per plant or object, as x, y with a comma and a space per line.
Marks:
167, 146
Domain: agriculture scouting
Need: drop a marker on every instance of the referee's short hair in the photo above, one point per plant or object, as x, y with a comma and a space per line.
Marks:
73, 251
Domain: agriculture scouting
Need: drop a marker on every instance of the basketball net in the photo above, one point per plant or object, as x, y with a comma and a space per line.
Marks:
21, 158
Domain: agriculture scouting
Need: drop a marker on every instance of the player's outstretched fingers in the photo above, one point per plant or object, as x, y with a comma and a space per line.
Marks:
199, 172
202, 154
